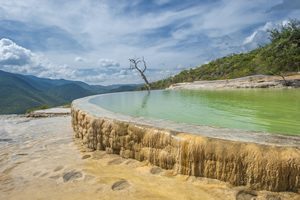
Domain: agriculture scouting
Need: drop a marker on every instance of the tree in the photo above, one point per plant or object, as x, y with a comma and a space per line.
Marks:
286, 41
141, 66
290, 30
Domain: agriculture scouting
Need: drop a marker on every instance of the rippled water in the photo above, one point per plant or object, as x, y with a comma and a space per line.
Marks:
266, 110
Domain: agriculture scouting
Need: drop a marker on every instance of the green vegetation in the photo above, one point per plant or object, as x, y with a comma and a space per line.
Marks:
68, 105
21, 93
43, 107
280, 56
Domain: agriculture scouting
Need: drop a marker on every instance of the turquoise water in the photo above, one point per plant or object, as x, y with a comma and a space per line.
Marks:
266, 110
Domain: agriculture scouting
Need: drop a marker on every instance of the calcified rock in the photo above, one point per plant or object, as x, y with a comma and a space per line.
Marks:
51, 112
255, 81
261, 167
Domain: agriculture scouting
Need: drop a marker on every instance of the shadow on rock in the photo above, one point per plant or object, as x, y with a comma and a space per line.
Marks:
246, 195
69, 176
272, 197
85, 157
155, 170
120, 185
116, 161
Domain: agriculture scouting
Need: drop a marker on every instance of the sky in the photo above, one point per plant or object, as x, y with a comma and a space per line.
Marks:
92, 40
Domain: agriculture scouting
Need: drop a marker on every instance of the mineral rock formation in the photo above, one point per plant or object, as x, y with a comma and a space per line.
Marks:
261, 167
255, 81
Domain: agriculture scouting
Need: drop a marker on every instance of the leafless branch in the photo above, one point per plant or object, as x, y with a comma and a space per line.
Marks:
145, 65
134, 64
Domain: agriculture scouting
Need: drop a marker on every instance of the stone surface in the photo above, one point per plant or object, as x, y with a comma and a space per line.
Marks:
51, 112
52, 149
256, 81
262, 167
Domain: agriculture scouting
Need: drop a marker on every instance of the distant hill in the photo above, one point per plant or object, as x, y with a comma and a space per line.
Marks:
22, 92
69, 92
280, 56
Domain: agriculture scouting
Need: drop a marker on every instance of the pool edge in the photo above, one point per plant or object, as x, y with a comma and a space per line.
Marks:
260, 166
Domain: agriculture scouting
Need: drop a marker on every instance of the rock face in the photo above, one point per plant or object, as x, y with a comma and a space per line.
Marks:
255, 81
261, 167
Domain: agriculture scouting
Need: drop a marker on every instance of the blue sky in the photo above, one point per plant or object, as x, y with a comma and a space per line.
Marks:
91, 40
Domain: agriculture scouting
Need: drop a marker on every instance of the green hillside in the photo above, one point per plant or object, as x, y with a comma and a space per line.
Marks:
17, 95
280, 56
69, 92
20, 93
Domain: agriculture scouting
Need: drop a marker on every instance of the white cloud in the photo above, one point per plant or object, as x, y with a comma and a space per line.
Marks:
182, 35
267, 26
12, 54
284, 22
250, 38
17, 59
79, 59
108, 63
260, 35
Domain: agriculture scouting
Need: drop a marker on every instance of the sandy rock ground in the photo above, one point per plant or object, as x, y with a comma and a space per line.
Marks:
256, 81
58, 111
40, 159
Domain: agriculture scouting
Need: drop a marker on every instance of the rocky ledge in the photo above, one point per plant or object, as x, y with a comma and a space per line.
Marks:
51, 112
256, 81
40, 159
258, 166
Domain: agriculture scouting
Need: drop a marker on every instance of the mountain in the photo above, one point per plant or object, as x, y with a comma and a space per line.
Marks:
22, 92
69, 92
280, 56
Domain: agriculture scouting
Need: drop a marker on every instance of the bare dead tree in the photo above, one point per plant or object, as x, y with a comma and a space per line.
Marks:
141, 66
282, 76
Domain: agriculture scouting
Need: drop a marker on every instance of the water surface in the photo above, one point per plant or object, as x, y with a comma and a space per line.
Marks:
263, 110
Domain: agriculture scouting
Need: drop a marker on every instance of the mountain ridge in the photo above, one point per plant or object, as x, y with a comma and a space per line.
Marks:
22, 92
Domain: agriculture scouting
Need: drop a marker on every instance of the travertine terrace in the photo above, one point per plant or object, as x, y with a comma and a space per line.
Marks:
255, 81
260, 166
